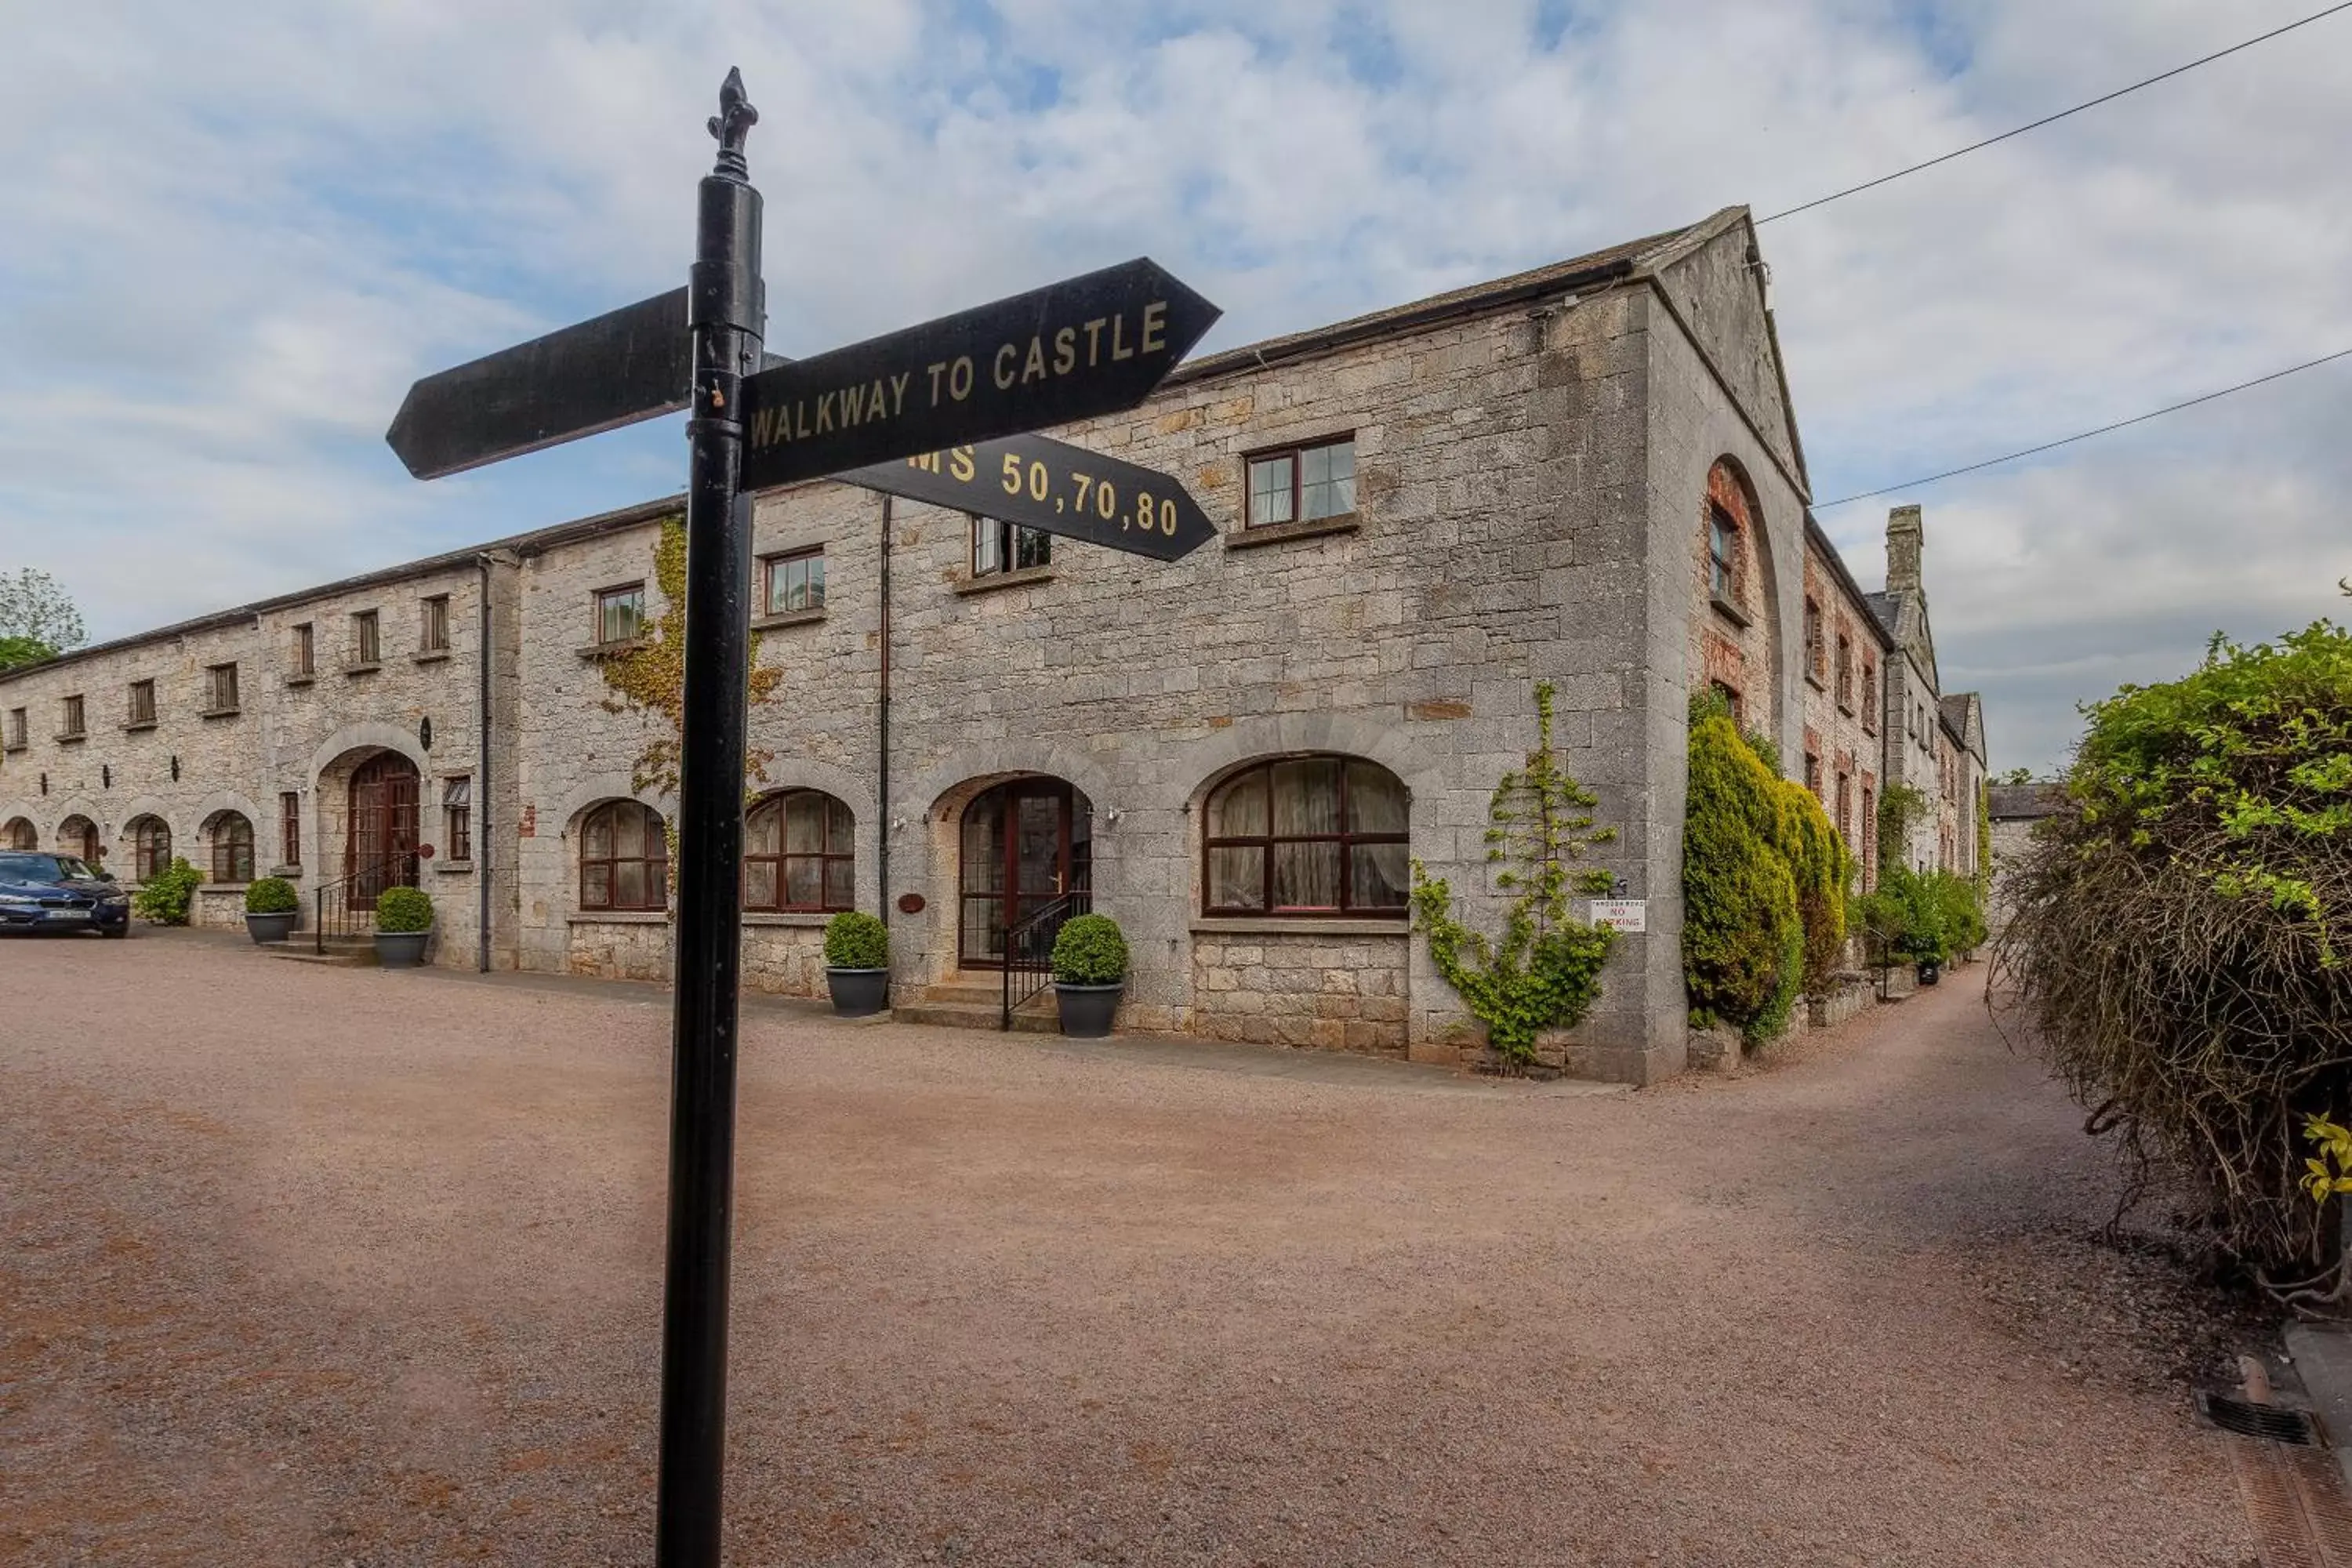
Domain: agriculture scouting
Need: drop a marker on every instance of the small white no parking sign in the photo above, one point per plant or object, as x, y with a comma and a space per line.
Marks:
1622, 914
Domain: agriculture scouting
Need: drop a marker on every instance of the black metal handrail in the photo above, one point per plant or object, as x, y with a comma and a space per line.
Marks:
346, 906
1029, 949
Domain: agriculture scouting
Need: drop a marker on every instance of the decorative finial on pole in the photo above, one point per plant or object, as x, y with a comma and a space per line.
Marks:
731, 124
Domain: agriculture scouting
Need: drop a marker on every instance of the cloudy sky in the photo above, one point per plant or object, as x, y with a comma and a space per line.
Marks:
233, 234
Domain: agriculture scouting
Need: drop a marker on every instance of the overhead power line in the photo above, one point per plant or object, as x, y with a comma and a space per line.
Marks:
2070, 440
2052, 118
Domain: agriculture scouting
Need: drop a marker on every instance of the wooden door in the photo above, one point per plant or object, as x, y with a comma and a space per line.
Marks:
382, 845
1025, 843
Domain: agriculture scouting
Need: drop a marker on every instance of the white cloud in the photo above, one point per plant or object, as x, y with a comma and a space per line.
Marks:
234, 238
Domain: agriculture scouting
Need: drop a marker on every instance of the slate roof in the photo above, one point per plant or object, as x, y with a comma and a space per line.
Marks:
1594, 269
1591, 269
2012, 802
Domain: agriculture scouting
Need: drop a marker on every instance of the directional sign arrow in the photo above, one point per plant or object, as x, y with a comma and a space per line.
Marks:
1051, 486
633, 363
1070, 351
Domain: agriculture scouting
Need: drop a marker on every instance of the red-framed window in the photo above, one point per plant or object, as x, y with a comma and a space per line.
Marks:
799, 855
1301, 484
150, 849
232, 848
1316, 835
624, 859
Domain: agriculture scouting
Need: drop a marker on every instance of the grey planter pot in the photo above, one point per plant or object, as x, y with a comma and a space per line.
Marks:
401, 948
858, 992
1087, 1010
269, 928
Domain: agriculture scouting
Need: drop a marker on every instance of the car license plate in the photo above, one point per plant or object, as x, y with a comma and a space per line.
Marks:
66, 915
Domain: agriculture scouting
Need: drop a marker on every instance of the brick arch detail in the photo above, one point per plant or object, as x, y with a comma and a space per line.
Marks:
1746, 658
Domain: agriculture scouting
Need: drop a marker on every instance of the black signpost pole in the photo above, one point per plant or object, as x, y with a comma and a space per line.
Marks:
942, 413
729, 320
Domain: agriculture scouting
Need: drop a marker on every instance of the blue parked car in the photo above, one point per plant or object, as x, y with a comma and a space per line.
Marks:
59, 892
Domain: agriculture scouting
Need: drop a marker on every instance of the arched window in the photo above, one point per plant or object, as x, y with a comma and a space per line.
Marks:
232, 847
20, 835
624, 859
79, 836
1306, 836
1722, 555
797, 854
150, 849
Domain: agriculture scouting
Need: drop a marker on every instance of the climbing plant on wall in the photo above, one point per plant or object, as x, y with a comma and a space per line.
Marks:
1545, 972
650, 676
1899, 806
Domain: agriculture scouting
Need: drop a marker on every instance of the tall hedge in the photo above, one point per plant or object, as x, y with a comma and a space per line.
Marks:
2179, 937
1822, 867
1739, 897
1764, 882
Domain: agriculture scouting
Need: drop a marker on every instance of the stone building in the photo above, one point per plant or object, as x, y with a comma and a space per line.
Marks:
1934, 743
2016, 809
1586, 474
1845, 650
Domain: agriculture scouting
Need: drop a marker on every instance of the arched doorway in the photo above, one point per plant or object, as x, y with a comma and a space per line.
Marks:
1026, 842
381, 841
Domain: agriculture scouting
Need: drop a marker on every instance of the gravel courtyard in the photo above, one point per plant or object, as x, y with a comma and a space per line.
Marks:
304, 1265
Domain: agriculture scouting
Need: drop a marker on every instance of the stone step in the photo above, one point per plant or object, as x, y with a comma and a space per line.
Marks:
1037, 1016
340, 955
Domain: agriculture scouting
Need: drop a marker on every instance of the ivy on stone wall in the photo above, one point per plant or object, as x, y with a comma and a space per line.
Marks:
650, 676
1545, 973
1899, 806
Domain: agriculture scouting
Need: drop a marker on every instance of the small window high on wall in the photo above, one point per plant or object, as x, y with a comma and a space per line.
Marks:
1301, 484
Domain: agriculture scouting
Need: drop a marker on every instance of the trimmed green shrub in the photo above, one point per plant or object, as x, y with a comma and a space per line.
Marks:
854, 940
271, 896
2176, 941
399, 910
166, 897
1741, 917
1091, 951
1824, 869
1546, 973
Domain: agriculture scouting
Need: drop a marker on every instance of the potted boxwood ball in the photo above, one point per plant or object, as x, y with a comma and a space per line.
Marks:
857, 963
1089, 972
404, 921
270, 906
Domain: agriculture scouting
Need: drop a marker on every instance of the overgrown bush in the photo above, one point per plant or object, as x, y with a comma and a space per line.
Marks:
2177, 940
1739, 897
1545, 973
1920, 917
1822, 867
166, 897
400, 910
1091, 951
1960, 907
857, 941
271, 896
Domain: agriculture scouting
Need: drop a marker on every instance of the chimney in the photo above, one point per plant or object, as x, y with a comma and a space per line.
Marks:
1903, 541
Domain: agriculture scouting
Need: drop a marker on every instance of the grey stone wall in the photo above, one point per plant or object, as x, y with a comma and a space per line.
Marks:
1530, 486
288, 733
